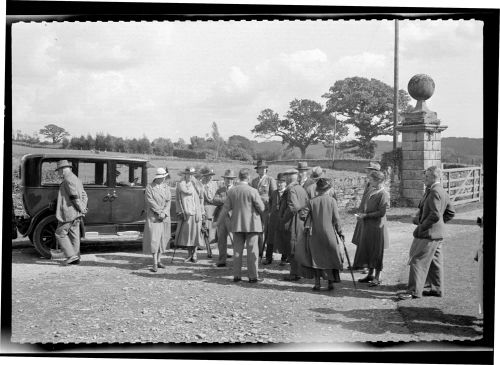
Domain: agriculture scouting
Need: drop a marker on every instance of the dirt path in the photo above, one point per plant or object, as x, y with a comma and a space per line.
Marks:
113, 297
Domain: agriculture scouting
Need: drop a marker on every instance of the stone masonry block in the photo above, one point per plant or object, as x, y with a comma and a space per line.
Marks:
436, 145
413, 165
437, 155
413, 193
421, 136
429, 155
413, 175
413, 202
408, 146
423, 145
414, 184
409, 136
417, 155
429, 163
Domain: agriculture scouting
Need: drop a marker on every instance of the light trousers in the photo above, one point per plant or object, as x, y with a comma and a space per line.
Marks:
426, 264
252, 242
68, 237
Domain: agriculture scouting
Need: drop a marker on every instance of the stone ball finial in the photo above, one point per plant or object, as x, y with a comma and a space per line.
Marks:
421, 87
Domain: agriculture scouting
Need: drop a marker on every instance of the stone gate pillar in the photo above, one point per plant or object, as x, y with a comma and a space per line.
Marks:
421, 140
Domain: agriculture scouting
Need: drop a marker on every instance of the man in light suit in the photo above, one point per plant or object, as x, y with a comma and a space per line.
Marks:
265, 185
71, 207
426, 258
247, 207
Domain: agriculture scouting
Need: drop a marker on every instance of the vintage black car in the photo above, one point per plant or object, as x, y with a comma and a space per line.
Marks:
115, 187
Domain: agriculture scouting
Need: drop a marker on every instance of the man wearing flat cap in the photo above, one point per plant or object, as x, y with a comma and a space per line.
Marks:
209, 189
265, 185
71, 207
294, 199
316, 173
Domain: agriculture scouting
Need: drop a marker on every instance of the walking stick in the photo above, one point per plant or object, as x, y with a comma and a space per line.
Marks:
349, 262
175, 247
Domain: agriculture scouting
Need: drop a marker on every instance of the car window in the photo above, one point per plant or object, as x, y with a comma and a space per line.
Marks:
93, 173
128, 174
49, 175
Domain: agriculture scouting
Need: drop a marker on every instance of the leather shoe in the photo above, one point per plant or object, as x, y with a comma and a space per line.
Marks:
255, 280
154, 268
161, 266
291, 278
76, 262
366, 279
229, 256
70, 260
236, 279
432, 293
268, 262
221, 265
405, 296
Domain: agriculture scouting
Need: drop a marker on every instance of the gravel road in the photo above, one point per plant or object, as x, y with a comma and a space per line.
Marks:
113, 297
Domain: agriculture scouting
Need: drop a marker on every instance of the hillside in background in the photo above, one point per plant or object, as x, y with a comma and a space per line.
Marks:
453, 149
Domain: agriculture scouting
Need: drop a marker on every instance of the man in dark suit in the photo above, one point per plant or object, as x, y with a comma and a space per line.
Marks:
246, 206
265, 185
426, 257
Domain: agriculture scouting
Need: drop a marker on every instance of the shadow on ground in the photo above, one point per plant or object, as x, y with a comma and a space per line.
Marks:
413, 320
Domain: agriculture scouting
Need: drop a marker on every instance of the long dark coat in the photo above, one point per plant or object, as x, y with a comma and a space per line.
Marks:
374, 236
320, 249
294, 199
274, 229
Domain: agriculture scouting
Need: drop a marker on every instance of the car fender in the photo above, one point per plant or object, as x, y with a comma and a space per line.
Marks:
36, 218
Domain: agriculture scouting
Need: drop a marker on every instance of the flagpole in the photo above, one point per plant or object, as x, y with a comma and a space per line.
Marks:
396, 87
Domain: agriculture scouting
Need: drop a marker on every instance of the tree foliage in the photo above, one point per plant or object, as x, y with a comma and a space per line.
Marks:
54, 132
306, 123
366, 104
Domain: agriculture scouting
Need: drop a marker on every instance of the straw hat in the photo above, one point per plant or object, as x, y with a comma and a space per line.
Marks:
317, 172
302, 166
373, 166
160, 173
63, 163
188, 171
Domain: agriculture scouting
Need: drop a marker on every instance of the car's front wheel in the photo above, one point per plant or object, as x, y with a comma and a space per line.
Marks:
44, 236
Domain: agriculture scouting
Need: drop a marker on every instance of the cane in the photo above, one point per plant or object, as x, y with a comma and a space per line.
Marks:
349, 262
175, 247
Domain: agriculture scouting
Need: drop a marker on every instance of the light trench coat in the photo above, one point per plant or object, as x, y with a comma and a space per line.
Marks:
157, 232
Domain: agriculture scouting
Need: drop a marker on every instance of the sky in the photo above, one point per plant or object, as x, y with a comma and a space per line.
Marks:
173, 79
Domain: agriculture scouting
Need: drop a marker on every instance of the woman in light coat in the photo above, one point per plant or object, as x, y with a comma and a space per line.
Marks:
157, 228
190, 209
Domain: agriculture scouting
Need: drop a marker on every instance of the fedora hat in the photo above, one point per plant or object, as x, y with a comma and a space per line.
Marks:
229, 174
188, 171
160, 172
290, 172
317, 172
204, 171
281, 177
373, 166
63, 163
261, 163
323, 184
302, 166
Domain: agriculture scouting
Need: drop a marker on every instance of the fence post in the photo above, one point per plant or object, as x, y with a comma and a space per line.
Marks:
449, 182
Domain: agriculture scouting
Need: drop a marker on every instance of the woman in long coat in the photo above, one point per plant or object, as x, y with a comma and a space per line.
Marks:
189, 208
157, 228
373, 236
319, 252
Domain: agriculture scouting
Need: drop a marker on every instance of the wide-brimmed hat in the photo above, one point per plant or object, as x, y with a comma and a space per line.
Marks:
205, 171
63, 163
160, 173
261, 163
229, 174
317, 172
302, 166
281, 177
290, 172
373, 166
188, 171
323, 184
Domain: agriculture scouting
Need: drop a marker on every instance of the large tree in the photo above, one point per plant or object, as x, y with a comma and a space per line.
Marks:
366, 104
54, 132
306, 123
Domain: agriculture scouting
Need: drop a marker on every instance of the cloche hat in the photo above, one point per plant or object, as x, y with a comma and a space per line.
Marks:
160, 172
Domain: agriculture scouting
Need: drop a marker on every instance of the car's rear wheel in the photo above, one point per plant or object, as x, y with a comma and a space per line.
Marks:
44, 236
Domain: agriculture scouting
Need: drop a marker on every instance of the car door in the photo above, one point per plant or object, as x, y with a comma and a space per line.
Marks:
96, 183
127, 195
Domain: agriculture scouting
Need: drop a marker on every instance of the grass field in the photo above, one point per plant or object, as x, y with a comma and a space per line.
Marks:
174, 165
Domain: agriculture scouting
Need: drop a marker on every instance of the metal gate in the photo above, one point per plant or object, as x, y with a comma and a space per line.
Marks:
464, 184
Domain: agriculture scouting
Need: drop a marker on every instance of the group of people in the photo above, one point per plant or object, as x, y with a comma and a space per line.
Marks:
295, 215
